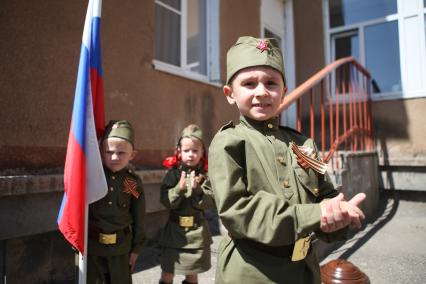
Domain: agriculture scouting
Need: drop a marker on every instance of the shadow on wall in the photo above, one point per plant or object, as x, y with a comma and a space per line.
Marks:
390, 122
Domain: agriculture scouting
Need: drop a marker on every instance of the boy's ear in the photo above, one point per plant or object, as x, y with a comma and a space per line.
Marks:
227, 91
133, 155
284, 93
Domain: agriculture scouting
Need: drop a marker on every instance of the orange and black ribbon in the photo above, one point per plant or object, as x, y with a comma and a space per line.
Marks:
307, 158
130, 186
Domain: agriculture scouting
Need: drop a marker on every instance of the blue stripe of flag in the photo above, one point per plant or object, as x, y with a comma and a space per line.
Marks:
79, 109
95, 59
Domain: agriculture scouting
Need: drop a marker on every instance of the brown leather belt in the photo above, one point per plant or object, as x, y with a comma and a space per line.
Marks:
279, 251
186, 221
96, 234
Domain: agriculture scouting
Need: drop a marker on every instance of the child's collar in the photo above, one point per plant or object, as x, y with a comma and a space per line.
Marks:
197, 168
260, 125
123, 170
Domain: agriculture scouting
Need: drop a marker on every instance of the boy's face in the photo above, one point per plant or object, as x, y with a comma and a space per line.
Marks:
257, 91
116, 153
191, 151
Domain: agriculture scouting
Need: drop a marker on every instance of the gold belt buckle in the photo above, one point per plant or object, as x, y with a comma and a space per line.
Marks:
301, 248
107, 239
186, 221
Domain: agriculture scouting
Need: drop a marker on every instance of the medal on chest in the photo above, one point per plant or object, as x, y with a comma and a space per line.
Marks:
308, 158
130, 187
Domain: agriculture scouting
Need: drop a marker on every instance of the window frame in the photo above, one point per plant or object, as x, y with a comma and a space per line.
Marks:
331, 33
212, 46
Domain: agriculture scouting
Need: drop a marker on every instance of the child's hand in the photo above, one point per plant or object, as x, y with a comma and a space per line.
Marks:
192, 184
199, 179
338, 213
196, 180
132, 261
182, 182
332, 216
355, 214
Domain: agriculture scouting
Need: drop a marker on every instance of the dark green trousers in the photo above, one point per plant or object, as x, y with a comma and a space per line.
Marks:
108, 269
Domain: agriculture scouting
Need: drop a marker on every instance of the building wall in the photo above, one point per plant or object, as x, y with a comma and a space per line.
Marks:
309, 38
235, 23
400, 131
39, 54
40, 50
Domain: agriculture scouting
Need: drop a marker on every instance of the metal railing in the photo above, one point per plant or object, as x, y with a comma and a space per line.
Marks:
335, 105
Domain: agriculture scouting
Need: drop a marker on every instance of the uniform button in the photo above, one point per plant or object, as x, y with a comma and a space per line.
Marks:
280, 159
113, 177
124, 205
286, 184
316, 190
111, 188
110, 202
270, 125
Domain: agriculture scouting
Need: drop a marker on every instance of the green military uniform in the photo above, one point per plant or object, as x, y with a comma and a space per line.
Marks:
186, 250
116, 223
267, 202
186, 246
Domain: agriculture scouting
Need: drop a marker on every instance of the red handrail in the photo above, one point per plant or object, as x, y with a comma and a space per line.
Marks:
346, 85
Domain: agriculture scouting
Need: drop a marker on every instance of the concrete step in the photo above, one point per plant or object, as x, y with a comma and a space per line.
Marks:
402, 177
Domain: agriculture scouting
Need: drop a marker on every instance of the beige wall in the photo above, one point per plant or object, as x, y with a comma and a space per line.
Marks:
400, 130
39, 53
40, 45
309, 38
235, 23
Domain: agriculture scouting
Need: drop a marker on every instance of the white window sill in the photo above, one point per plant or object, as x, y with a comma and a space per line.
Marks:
398, 95
177, 71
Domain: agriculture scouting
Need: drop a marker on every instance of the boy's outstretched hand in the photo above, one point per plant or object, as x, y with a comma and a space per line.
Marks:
336, 213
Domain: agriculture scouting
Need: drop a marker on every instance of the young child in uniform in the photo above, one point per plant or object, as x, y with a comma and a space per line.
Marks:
270, 187
116, 222
186, 191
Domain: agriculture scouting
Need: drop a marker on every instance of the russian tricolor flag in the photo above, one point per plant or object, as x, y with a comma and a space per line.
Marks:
84, 178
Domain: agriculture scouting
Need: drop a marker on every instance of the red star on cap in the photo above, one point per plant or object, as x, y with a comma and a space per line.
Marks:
262, 45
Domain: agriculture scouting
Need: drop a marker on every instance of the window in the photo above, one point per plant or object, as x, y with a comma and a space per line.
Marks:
347, 12
186, 38
382, 56
383, 36
269, 34
346, 44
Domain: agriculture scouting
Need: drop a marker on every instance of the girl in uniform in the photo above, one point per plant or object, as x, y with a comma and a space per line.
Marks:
186, 191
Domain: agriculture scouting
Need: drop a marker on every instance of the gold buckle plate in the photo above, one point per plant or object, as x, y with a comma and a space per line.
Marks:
107, 239
301, 248
186, 221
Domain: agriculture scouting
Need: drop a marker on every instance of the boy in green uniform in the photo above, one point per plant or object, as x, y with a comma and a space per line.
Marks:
270, 192
116, 222
186, 191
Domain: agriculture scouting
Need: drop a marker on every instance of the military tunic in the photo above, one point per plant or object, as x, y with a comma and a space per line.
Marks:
185, 250
266, 201
121, 211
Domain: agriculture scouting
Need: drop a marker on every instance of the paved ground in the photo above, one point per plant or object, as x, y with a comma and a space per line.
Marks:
391, 248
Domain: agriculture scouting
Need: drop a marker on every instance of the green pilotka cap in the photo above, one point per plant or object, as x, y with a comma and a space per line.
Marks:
192, 131
119, 129
249, 51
